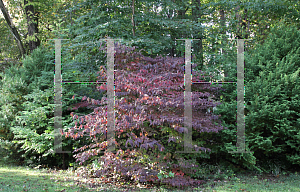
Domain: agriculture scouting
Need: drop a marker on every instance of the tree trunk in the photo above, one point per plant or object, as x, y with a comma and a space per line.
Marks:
245, 26
198, 46
132, 19
224, 41
181, 15
12, 28
242, 32
64, 162
32, 25
238, 18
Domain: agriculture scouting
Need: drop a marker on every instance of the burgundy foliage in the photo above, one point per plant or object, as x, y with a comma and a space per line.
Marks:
147, 90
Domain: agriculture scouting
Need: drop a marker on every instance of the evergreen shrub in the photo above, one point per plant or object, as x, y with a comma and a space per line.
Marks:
272, 105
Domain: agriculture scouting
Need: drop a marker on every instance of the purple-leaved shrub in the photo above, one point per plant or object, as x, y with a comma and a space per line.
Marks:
150, 104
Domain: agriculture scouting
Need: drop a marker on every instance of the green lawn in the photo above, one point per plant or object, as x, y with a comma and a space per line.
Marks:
252, 182
17, 179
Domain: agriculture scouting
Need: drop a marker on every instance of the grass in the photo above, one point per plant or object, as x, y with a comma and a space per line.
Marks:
252, 182
18, 179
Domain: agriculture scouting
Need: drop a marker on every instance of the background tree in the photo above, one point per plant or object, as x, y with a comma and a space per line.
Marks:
32, 17
12, 28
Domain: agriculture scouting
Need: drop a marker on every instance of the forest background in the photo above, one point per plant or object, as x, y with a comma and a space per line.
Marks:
272, 63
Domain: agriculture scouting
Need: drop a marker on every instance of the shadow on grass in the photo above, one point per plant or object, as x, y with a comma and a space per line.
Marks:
17, 178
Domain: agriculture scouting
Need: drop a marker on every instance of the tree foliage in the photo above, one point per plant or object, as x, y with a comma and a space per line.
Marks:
27, 111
